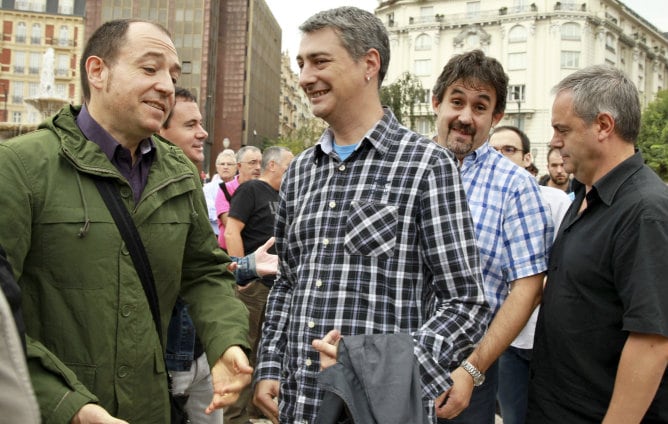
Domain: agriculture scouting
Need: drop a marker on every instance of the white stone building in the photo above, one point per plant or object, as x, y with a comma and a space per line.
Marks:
537, 41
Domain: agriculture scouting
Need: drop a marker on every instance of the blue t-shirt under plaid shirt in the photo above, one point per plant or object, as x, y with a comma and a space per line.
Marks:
382, 242
512, 223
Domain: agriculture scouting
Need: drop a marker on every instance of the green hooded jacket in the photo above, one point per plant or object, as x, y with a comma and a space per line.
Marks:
91, 336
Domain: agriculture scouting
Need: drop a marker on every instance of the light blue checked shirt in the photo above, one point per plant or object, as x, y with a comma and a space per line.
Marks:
512, 224
381, 242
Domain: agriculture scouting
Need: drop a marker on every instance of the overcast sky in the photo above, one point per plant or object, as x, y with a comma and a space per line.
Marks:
291, 14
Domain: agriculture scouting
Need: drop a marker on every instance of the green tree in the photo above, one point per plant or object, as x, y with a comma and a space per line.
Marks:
653, 137
402, 96
299, 139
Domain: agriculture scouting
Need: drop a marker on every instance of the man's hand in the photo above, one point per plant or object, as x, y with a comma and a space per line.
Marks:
230, 374
91, 413
328, 347
266, 263
458, 397
266, 394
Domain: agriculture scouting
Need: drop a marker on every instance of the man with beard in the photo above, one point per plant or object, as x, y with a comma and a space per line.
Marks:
513, 228
556, 176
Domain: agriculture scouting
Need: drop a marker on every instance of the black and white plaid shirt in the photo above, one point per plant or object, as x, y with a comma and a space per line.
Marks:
382, 242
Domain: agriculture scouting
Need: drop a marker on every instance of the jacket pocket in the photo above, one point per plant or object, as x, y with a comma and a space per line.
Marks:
371, 229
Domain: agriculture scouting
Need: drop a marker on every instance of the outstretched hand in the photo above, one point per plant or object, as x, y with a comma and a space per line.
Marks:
230, 375
265, 262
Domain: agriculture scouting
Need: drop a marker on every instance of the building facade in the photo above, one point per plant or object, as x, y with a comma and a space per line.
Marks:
295, 109
29, 30
538, 42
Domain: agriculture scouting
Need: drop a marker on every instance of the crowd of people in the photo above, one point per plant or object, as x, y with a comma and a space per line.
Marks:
378, 277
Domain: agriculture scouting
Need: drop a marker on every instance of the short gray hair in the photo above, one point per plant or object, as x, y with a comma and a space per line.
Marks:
242, 152
603, 88
359, 31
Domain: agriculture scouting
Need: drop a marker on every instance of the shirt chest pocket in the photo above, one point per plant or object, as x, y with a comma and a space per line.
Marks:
371, 229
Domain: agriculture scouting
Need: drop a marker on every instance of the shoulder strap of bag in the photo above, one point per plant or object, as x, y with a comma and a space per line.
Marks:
128, 230
228, 196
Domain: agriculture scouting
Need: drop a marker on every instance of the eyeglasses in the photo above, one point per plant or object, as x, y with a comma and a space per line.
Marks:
507, 150
226, 163
255, 162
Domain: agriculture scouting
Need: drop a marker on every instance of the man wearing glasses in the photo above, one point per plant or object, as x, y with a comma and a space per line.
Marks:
249, 161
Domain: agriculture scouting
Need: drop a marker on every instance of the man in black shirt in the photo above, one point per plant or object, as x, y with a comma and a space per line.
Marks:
601, 345
250, 224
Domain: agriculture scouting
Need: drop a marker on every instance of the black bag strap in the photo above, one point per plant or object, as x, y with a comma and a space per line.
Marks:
128, 230
228, 196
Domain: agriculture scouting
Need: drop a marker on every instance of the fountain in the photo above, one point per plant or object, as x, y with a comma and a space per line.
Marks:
47, 102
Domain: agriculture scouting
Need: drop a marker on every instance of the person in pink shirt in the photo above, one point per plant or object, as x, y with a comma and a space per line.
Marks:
249, 161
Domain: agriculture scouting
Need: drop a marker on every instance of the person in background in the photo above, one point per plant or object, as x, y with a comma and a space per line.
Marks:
513, 227
373, 232
226, 169
17, 397
601, 346
249, 225
185, 357
249, 162
513, 391
557, 177
93, 350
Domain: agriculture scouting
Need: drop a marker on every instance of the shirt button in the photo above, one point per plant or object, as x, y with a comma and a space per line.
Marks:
311, 324
342, 167
123, 371
332, 205
318, 283
325, 242
308, 363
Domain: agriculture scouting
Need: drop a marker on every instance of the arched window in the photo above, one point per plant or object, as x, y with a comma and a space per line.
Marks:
517, 34
36, 34
21, 32
63, 36
423, 42
570, 31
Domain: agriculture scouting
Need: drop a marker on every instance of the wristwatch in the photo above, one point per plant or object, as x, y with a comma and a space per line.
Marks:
478, 377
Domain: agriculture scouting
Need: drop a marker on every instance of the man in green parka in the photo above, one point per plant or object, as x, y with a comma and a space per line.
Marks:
93, 350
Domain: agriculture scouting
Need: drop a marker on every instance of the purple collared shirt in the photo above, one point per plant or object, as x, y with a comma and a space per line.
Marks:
118, 155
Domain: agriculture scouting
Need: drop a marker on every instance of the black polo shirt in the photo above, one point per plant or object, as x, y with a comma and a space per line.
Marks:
608, 276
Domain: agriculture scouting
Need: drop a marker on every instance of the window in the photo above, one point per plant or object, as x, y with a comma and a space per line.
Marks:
520, 6
423, 42
473, 9
422, 67
34, 64
570, 31
63, 36
61, 90
21, 32
19, 62
36, 34
423, 126
517, 34
427, 14
66, 7
17, 92
570, 59
517, 61
610, 42
16, 117
516, 93
33, 90
62, 65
